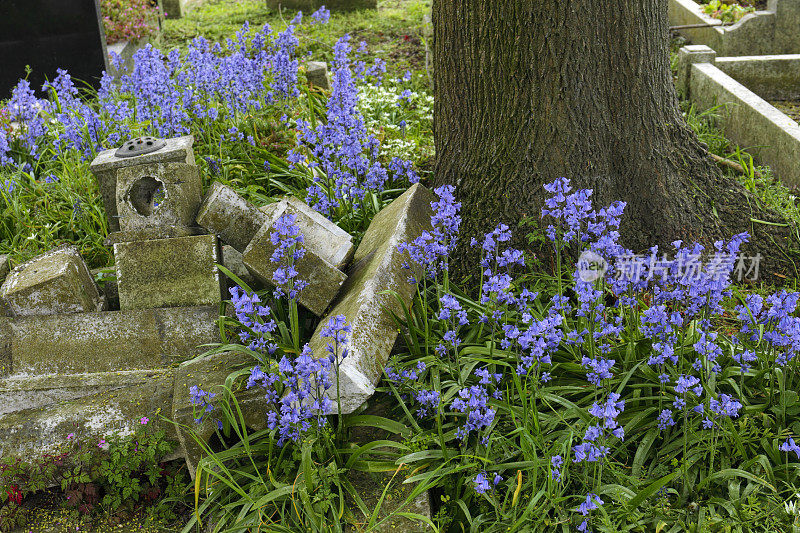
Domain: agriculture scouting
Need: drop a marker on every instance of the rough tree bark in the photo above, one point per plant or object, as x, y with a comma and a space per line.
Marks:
528, 91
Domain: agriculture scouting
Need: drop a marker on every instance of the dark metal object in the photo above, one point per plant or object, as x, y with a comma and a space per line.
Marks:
139, 146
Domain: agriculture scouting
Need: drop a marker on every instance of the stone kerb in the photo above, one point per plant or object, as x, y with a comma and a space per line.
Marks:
747, 119
771, 31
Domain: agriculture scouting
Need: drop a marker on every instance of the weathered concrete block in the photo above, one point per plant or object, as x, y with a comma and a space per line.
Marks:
106, 164
307, 6
36, 432
317, 74
688, 56
158, 195
168, 272
110, 341
148, 234
5, 346
55, 282
232, 260
324, 279
209, 374
377, 267
325, 238
230, 216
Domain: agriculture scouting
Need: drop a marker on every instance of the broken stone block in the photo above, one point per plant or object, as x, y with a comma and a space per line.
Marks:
317, 75
106, 164
168, 272
32, 433
158, 195
323, 278
328, 240
55, 282
209, 374
230, 216
377, 267
110, 341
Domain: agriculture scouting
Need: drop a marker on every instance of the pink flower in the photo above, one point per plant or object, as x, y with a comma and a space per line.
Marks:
71, 436
144, 420
102, 444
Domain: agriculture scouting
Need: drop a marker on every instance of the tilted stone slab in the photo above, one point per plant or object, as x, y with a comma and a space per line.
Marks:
377, 267
209, 373
32, 433
55, 282
176, 272
106, 164
158, 195
110, 341
148, 234
323, 278
230, 216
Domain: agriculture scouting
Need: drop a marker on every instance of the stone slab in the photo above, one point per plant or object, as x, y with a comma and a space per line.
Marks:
230, 216
309, 6
772, 77
110, 341
5, 267
168, 272
325, 238
138, 206
377, 267
317, 75
105, 166
232, 260
5, 346
55, 282
324, 279
33, 433
210, 373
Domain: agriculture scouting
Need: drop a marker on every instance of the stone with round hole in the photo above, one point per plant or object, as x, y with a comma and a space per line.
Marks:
158, 195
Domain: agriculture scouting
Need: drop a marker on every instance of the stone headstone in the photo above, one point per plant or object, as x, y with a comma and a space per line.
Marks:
178, 272
55, 282
364, 301
48, 35
107, 163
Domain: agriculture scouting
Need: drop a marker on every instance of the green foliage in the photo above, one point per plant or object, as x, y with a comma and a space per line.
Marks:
726, 12
128, 20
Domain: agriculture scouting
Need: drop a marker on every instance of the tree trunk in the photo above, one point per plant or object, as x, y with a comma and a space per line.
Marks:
528, 91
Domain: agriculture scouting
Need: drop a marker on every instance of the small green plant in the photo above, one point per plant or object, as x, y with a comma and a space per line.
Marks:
726, 12
125, 20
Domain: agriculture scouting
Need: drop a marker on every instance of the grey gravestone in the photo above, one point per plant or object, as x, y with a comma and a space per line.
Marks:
48, 35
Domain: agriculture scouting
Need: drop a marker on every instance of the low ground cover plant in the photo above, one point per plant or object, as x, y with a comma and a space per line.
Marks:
129, 20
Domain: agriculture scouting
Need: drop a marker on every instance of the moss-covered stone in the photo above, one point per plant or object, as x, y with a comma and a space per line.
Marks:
231, 217
5, 346
313, 5
210, 374
323, 278
33, 433
147, 234
317, 74
110, 341
105, 166
158, 195
364, 301
55, 282
168, 272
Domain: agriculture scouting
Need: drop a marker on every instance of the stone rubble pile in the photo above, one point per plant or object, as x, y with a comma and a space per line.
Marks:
78, 359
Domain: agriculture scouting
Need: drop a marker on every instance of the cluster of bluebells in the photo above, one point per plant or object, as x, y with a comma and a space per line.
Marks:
169, 93
452, 314
431, 250
255, 319
340, 149
428, 401
482, 485
288, 250
591, 503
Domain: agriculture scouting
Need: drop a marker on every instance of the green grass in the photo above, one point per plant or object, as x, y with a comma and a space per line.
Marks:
395, 31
